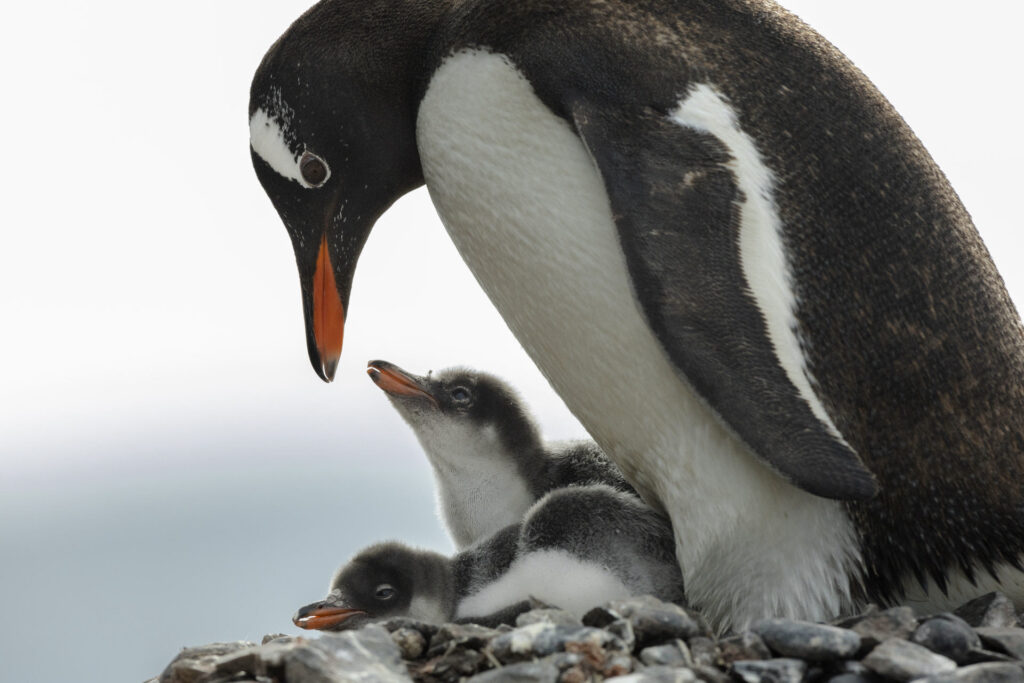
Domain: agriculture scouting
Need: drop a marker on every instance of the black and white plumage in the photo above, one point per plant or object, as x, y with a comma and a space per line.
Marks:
724, 249
576, 548
490, 464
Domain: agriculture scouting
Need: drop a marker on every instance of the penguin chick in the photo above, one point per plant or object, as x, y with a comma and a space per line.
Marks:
576, 548
489, 462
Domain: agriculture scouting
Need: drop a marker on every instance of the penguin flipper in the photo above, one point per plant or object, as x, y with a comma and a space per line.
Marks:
678, 207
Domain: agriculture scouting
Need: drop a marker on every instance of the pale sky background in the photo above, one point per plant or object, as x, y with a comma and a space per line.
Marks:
172, 471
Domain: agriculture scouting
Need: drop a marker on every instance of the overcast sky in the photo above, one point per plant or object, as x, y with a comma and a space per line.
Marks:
150, 307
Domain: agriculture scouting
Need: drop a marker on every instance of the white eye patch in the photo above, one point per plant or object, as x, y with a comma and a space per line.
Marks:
267, 138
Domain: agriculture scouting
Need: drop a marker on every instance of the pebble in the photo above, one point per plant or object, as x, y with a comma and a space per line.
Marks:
653, 621
660, 674
948, 635
805, 640
410, 642
747, 645
549, 615
783, 670
903, 660
466, 636
1008, 640
666, 655
981, 673
639, 639
877, 626
526, 672
703, 651
992, 610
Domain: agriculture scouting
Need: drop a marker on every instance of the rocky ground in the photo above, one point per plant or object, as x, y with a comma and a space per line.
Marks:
636, 640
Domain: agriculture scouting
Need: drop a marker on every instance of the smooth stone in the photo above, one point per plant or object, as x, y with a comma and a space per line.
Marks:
709, 674
1008, 640
782, 670
542, 639
193, 663
654, 622
271, 637
455, 665
980, 673
873, 628
665, 655
359, 656
982, 656
703, 651
903, 660
393, 624
549, 615
746, 645
948, 635
410, 642
852, 678
659, 674
467, 636
526, 672
805, 640
623, 628
992, 610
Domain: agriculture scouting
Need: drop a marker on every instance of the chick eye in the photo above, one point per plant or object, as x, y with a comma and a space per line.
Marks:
384, 592
313, 169
460, 394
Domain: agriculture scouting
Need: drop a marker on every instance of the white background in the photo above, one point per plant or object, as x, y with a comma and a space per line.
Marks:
171, 470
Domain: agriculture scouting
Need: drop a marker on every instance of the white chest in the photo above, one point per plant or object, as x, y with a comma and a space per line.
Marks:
479, 488
527, 210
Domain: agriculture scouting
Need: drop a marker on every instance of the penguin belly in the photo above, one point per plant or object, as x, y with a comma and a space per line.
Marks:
526, 207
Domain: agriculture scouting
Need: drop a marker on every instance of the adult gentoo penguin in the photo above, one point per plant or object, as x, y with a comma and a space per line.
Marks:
721, 245
489, 462
578, 547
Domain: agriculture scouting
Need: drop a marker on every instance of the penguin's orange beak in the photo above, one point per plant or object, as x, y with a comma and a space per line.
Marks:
396, 381
319, 618
328, 313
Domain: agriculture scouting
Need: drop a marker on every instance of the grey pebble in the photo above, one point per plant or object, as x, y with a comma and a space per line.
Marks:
527, 672
624, 630
980, 673
543, 638
814, 642
903, 660
659, 674
746, 645
466, 636
704, 651
781, 670
709, 674
670, 654
653, 621
992, 610
395, 623
1008, 640
192, 663
549, 615
948, 635
411, 643
878, 626
852, 678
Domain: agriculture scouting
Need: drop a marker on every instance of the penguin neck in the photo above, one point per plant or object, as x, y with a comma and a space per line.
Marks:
434, 589
482, 486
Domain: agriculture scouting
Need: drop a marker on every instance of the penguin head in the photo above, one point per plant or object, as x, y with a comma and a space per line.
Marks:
456, 398
332, 139
379, 583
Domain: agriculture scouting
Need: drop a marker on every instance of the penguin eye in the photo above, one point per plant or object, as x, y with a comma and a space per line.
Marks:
460, 394
313, 169
385, 592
